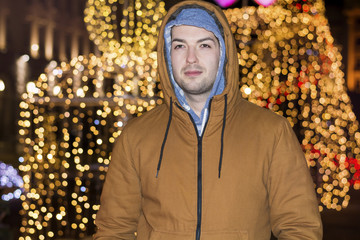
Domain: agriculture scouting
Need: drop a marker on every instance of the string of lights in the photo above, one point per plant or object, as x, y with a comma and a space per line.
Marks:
128, 37
289, 64
72, 114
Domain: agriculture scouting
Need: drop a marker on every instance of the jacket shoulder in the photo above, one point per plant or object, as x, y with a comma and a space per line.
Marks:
149, 120
259, 114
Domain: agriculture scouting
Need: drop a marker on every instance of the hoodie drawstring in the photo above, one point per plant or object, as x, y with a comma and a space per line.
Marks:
167, 131
165, 137
222, 135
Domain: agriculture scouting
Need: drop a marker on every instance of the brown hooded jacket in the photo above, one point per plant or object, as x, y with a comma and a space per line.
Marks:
243, 178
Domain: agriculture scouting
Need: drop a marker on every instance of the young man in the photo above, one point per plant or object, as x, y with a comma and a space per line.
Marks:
206, 164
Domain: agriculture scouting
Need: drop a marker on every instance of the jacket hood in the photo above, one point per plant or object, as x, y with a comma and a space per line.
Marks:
197, 17
231, 68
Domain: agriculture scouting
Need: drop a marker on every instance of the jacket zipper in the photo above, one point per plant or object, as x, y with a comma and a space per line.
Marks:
199, 177
199, 183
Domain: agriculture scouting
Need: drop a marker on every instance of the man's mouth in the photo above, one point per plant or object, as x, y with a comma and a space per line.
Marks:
192, 73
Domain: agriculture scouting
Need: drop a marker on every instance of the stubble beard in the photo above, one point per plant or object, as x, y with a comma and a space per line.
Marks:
199, 89
195, 85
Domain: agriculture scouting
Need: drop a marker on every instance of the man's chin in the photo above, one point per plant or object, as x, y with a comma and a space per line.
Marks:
193, 77
196, 91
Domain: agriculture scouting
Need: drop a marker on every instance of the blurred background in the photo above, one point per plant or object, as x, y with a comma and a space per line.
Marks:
72, 73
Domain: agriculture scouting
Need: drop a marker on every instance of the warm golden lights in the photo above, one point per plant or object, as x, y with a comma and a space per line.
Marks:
289, 64
72, 114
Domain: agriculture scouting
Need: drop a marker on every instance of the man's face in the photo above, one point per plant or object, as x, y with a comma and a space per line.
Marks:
195, 54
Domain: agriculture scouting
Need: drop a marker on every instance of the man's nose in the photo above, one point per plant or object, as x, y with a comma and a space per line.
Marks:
191, 56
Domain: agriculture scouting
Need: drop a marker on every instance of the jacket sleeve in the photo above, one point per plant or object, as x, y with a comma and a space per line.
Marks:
120, 202
294, 210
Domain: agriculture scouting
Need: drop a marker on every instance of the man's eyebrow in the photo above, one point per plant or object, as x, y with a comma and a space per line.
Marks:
198, 41
206, 39
177, 40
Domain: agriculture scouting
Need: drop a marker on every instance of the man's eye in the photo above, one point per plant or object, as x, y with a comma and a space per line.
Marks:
178, 46
204, 45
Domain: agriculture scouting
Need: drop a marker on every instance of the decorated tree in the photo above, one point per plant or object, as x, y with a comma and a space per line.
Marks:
289, 64
72, 114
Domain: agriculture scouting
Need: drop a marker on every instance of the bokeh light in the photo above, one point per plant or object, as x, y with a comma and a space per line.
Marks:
289, 64
72, 114
11, 182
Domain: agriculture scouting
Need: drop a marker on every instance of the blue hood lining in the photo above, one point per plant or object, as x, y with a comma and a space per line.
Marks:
197, 17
